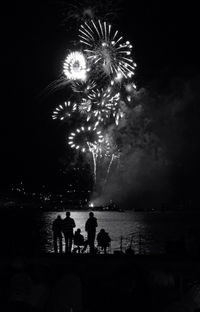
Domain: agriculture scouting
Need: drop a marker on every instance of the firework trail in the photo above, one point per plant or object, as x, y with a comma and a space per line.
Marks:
92, 149
109, 166
54, 86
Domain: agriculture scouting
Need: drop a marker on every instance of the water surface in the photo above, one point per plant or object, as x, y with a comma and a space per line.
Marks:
149, 230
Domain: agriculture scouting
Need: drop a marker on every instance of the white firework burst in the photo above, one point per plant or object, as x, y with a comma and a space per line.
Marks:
101, 104
75, 67
105, 48
86, 139
64, 111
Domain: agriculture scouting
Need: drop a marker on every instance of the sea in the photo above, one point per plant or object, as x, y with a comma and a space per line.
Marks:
144, 232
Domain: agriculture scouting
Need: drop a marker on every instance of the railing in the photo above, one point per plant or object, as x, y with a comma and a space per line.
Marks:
131, 242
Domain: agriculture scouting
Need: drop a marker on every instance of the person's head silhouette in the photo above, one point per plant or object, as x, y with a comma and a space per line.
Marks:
91, 214
59, 217
68, 214
78, 231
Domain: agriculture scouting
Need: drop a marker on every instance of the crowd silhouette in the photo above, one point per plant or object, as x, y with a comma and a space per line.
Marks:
63, 235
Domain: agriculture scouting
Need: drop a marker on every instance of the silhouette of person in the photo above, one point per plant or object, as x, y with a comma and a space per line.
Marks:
78, 240
68, 225
90, 227
103, 240
57, 233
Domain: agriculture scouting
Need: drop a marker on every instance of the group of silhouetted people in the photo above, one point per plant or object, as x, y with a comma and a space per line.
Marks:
65, 227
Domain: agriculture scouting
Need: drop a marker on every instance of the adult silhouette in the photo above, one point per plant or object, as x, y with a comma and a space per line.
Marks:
90, 227
57, 234
68, 225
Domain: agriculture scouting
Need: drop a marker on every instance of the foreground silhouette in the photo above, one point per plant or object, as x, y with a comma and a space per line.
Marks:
68, 225
103, 240
57, 234
78, 241
90, 227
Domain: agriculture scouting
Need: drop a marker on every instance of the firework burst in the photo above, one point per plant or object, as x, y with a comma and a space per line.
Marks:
86, 138
75, 66
106, 50
101, 104
64, 111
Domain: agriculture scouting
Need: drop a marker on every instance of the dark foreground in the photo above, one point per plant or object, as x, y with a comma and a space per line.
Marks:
120, 282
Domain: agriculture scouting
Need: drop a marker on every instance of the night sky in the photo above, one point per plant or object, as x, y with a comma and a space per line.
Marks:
165, 40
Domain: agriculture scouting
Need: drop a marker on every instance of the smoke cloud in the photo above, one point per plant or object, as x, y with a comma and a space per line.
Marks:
158, 143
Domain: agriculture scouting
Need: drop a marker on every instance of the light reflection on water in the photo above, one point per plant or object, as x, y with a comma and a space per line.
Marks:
153, 229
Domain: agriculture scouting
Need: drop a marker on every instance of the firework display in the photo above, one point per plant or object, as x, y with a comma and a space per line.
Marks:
100, 75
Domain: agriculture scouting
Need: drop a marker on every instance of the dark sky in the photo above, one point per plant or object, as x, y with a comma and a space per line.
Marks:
165, 39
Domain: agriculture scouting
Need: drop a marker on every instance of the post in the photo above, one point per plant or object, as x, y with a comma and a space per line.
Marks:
121, 247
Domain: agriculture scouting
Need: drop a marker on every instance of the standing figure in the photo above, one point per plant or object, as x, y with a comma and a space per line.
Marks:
57, 234
67, 228
90, 227
103, 240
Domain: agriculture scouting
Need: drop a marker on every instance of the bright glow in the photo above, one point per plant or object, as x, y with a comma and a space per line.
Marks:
119, 76
75, 66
